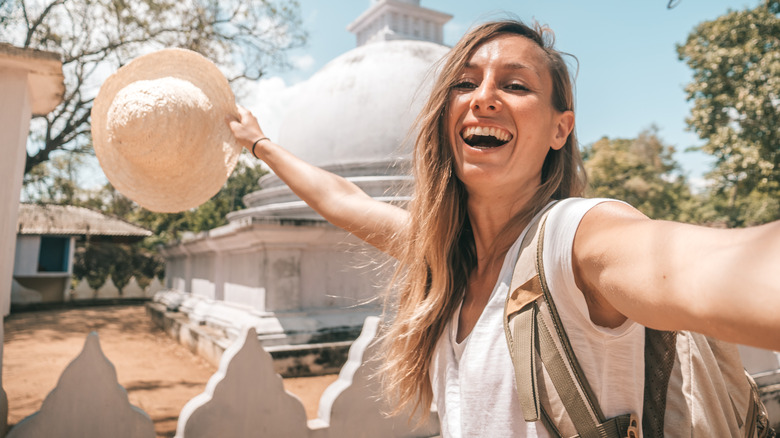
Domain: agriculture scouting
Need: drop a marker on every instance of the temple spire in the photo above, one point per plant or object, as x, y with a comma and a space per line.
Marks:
398, 20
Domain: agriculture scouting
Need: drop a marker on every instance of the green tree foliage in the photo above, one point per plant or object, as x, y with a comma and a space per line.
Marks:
56, 181
95, 260
170, 226
95, 37
736, 110
640, 171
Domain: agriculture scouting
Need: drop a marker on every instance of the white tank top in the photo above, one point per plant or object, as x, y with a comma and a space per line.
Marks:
473, 382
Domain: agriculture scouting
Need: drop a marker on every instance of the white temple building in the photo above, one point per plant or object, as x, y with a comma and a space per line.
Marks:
277, 265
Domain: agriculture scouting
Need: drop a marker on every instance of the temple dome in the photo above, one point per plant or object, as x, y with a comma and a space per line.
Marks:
361, 105
353, 118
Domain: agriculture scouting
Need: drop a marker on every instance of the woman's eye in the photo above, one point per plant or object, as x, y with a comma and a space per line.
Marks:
517, 87
465, 85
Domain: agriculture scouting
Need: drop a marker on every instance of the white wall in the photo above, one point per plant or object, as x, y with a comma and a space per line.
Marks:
242, 280
26, 259
202, 282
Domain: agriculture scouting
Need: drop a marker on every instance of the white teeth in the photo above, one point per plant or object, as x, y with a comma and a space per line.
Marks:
500, 134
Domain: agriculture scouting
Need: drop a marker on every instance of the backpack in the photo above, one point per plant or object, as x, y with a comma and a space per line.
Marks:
694, 385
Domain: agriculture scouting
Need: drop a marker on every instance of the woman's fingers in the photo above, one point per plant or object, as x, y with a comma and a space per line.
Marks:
246, 129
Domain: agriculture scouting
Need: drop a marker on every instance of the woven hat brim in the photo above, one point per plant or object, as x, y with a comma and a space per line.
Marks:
162, 167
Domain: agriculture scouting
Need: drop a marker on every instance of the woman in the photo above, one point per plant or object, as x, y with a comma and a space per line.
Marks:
496, 145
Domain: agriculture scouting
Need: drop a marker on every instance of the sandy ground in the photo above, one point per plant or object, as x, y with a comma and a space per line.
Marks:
160, 375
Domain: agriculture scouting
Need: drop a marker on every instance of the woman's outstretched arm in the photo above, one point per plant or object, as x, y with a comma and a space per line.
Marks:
723, 283
336, 199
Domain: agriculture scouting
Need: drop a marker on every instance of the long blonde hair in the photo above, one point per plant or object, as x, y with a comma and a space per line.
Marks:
437, 252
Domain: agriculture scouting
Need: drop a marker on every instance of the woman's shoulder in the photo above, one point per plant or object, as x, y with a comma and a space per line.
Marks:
579, 216
574, 209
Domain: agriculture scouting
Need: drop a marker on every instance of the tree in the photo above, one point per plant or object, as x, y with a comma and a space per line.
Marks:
95, 37
736, 109
55, 182
96, 260
211, 214
640, 171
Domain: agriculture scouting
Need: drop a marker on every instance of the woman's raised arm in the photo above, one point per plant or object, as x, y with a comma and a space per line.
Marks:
724, 283
339, 201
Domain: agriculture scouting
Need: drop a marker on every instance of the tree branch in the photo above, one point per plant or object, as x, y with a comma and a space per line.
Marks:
31, 28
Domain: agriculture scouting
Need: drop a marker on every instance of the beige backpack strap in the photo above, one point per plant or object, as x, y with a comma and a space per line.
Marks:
522, 341
520, 317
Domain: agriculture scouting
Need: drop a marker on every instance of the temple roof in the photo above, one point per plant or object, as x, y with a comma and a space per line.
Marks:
48, 219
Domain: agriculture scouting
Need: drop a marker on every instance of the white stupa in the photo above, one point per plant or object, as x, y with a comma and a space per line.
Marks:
305, 285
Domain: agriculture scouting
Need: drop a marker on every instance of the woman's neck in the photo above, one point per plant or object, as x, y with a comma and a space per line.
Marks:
489, 216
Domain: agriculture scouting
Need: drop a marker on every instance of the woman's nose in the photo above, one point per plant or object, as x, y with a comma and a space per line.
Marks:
485, 98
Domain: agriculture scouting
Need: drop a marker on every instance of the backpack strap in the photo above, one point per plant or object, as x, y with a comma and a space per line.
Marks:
529, 338
520, 317
660, 355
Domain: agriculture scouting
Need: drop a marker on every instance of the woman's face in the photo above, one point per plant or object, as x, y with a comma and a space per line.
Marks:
501, 120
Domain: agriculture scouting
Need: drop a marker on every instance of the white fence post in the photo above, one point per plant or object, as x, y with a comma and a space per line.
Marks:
244, 398
87, 402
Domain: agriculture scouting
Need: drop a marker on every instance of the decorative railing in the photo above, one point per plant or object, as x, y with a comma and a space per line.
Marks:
244, 398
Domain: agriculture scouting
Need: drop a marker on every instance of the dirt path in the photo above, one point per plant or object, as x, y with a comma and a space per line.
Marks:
160, 375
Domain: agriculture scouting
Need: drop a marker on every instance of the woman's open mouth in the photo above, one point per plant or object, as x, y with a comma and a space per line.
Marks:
485, 137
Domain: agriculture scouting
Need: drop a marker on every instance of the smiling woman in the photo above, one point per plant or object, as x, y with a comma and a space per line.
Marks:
498, 174
505, 93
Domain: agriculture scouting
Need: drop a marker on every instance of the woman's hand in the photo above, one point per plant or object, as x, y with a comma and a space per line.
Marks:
245, 129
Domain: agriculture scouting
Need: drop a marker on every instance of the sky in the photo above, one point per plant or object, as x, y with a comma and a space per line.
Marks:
629, 75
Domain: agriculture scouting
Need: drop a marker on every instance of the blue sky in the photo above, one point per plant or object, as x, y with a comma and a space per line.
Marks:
629, 75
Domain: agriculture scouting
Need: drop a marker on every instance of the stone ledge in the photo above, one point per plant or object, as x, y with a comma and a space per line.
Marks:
210, 343
75, 304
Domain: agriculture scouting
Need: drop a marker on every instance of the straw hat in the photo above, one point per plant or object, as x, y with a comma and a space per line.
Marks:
159, 131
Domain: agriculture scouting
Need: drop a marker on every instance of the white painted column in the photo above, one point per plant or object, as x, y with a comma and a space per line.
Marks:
187, 275
30, 82
218, 267
219, 276
15, 117
282, 275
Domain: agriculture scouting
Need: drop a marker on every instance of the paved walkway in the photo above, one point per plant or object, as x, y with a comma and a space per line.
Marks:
160, 375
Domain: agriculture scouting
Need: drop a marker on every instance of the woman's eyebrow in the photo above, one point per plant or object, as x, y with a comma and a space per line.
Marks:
521, 66
509, 66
